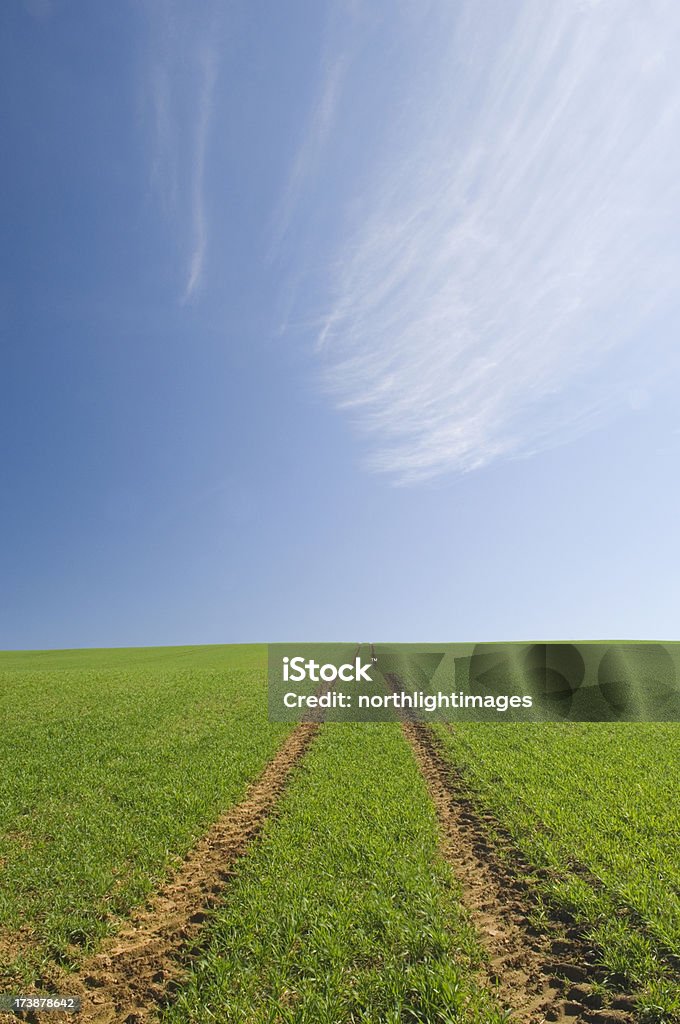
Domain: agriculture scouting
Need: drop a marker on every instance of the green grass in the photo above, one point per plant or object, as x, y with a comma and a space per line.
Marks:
112, 763
343, 910
598, 806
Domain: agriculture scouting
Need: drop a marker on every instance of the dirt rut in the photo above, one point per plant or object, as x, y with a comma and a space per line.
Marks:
544, 974
136, 971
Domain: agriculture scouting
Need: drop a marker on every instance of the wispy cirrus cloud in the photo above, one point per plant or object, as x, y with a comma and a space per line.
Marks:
208, 63
181, 76
309, 153
509, 246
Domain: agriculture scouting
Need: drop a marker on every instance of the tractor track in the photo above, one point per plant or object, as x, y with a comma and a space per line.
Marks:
136, 973
538, 974
541, 973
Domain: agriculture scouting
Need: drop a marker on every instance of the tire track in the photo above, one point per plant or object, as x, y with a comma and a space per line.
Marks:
539, 975
138, 970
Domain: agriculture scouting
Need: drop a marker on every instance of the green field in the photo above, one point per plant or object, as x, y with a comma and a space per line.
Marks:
113, 763
598, 806
343, 909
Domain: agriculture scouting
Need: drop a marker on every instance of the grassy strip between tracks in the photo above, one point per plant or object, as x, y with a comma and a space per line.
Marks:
344, 910
112, 764
598, 806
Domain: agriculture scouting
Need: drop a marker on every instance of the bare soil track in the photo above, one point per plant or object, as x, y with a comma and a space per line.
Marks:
544, 974
137, 971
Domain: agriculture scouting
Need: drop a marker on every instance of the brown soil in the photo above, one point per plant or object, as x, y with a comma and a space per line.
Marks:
136, 971
541, 974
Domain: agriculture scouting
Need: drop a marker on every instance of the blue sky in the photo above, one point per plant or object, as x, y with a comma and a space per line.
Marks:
338, 321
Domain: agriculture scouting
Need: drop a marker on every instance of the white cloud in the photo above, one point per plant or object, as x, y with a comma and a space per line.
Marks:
310, 151
180, 83
503, 261
198, 214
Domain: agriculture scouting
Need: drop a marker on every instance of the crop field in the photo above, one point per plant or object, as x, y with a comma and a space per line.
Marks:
344, 911
113, 763
169, 855
595, 807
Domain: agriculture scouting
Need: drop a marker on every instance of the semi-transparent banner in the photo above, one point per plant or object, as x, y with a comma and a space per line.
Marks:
508, 682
